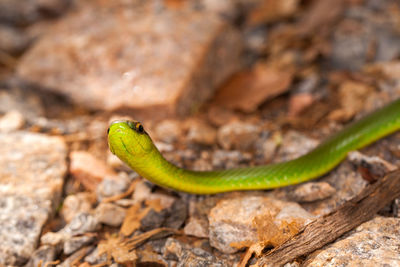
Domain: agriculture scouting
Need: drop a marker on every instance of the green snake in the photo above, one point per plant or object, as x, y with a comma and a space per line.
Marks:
129, 141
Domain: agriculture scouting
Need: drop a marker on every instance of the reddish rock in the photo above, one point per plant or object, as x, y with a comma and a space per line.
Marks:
89, 170
247, 90
137, 55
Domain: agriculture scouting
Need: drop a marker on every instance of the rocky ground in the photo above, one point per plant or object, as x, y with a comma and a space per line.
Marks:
217, 84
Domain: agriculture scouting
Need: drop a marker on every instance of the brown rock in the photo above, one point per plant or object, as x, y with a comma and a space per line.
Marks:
374, 243
89, 170
233, 221
299, 102
353, 96
118, 54
168, 131
196, 227
77, 203
371, 168
238, 135
270, 10
312, 191
247, 90
201, 133
110, 214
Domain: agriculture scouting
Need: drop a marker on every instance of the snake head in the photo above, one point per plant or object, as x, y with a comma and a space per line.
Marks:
128, 138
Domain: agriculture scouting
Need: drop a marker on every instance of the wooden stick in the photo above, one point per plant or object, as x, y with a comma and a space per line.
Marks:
328, 228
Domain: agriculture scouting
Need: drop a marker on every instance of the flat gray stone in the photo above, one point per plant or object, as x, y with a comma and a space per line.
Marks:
141, 55
32, 172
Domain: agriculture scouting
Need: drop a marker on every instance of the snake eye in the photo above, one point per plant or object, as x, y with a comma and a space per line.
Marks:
108, 130
140, 128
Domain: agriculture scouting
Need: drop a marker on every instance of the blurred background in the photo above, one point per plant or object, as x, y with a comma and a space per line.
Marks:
216, 84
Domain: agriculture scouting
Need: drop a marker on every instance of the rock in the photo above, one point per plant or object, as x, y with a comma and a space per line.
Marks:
294, 145
77, 203
229, 159
31, 181
347, 184
374, 243
196, 227
270, 11
269, 146
201, 133
76, 256
44, 254
113, 185
142, 191
153, 219
11, 121
234, 221
353, 96
81, 224
72, 236
350, 34
12, 40
219, 116
312, 191
177, 214
77, 242
371, 168
110, 214
299, 102
25, 102
88, 170
168, 131
20, 13
206, 48
359, 32
94, 257
54, 7
238, 135
261, 83
188, 256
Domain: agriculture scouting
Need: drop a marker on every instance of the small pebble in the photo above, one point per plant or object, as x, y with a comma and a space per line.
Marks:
110, 214
114, 185
196, 227
168, 131
312, 191
77, 242
201, 133
43, 254
88, 170
11, 121
238, 135
77, 203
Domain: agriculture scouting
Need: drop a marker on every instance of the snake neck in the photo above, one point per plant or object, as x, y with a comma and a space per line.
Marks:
155, 168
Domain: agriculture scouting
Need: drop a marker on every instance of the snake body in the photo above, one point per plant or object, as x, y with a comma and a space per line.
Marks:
129, 141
